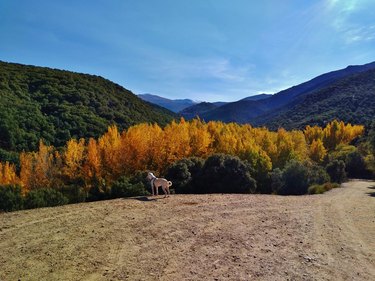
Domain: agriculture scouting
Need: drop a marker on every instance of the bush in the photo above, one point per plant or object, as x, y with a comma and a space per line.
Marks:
356, 166
317, 174
277, 181
99, 190
124, 188
11, 198
224, 174
336, 171
44, 197
140, 177
321, 188
182, 172
341, 152
296, 178
74, 193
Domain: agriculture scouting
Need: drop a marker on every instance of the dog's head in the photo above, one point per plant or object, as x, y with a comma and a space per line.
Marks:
150, 176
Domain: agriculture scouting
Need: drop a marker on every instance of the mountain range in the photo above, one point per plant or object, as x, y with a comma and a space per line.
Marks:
57, 105
173, 105
347, 94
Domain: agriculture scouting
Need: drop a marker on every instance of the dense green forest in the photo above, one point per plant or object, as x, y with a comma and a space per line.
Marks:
54, 105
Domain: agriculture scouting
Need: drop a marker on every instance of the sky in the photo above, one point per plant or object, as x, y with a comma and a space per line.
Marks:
205, 50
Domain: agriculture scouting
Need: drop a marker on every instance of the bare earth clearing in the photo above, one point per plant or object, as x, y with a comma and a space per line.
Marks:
196, 237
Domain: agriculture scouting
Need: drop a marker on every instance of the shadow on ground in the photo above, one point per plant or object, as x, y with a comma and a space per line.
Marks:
144, 199
372, 194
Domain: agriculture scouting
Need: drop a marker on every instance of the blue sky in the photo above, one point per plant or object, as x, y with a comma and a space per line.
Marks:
212, 50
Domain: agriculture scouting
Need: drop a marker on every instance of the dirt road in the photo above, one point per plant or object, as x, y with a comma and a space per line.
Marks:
196, 237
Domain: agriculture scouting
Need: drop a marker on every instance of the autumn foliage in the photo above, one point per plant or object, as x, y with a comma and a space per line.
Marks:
150, 147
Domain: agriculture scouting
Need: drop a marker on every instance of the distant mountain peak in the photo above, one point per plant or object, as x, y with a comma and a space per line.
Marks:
175, 105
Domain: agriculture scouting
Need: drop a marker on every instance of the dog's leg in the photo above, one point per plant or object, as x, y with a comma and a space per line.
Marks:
165, 192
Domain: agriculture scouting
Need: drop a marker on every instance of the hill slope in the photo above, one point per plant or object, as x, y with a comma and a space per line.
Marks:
245, 111
240, 111
196, 237
56, 105
257, 97
173, 105
351, 99
213, 111
197, 110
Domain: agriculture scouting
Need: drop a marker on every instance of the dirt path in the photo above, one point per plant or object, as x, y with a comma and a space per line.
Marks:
196, 237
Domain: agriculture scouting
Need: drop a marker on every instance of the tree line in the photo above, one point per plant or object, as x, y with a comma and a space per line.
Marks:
97, 164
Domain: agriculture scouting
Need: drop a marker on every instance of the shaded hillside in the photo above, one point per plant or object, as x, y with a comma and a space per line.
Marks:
284, 97
257, 97
213, 111
244, 111
173, 105
55, 105
351, 99
240, 111
197, 110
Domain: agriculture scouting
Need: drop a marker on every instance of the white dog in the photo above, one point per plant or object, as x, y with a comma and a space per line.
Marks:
159, 182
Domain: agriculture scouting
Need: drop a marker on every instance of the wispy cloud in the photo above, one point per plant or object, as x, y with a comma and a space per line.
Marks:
360, 34
346, 23
221, 69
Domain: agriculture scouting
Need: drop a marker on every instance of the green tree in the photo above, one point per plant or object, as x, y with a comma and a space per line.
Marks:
336, 171
224, 174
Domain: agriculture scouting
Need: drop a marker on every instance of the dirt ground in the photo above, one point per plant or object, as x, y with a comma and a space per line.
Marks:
196, 237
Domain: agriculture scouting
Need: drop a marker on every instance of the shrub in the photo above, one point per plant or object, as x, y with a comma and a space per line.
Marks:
74, 193
140, 177
182, 173
99, 190
341, 152
296, 178
317, 174
336, 171
259, 165
11, 198
277, 181
44, 197
321, 188
124, 188
224, 174
356, 167
316, 189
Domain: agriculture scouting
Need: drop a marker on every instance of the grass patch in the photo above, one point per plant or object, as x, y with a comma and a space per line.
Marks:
321, 188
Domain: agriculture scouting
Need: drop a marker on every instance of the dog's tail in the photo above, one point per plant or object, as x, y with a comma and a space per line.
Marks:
169, 183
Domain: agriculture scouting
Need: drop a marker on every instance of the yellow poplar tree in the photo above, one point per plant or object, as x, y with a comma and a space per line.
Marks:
317, 151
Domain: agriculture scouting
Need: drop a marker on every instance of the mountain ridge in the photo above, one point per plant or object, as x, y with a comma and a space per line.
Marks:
253, 111
350, 99
175, 105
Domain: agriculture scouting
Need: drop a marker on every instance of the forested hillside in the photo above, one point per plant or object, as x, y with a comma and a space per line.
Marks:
54, 105
351, 99
347, 94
